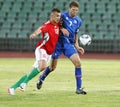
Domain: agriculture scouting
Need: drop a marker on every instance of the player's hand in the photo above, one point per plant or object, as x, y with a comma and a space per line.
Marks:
32, 36
80, 50
65, 31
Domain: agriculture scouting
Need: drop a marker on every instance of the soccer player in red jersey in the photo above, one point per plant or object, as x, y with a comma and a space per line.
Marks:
44, 49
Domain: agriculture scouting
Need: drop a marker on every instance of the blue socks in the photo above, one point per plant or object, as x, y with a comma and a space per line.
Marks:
78, 76
45, 73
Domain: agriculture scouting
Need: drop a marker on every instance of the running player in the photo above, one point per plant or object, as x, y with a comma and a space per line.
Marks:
68, 45
44, 49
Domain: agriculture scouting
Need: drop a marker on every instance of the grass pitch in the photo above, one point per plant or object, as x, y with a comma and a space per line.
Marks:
101, 79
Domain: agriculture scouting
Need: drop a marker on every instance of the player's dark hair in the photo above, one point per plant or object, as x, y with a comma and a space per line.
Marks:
55, 10
74, 3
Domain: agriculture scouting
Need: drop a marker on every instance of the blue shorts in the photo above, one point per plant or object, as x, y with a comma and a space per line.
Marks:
64, 46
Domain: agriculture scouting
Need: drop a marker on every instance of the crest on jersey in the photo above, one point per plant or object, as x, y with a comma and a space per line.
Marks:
66, 18
57, 31
75, 21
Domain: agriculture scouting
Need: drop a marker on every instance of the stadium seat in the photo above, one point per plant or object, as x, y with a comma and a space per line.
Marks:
5, 7
110, 8
24, 33
92, 27
115, 1
16, 7
83, 1
2, 15
12, 33
102, 27
97, 35
110, 35
1, 4
106, 18
85, 16
48, 6
6, 25
11, 16
112, 28
4, 32
32, 17
116, 16
96, 17
59, 5
90, 7
38, 7
100, 7
22, 14
38, 24
17, 25
81, 10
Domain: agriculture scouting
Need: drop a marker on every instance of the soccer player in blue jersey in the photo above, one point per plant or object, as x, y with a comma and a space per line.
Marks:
68, 45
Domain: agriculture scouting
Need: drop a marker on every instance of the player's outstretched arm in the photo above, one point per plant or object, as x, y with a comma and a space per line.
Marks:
37, 32
79, 49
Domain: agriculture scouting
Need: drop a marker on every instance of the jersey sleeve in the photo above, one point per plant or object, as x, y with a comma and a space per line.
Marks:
79, 25
43, 28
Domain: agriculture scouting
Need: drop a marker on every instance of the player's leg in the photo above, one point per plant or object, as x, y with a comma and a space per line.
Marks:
31, 75
47, 71
17, 84
51, 67
78, 73
72, 54
23, 81
53, 64
39, 65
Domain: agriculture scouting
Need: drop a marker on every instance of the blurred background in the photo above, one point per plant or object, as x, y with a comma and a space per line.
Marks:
19, 18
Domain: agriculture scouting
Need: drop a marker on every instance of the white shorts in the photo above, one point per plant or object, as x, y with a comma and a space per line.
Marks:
40, 54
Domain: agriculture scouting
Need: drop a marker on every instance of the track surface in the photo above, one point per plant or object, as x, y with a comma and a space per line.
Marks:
86, 55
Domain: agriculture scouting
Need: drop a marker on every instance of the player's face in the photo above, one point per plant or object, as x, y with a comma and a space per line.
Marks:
73, 11
56, 17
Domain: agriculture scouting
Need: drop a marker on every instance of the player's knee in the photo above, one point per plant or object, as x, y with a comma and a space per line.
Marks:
52, 68
42, 68
77, 64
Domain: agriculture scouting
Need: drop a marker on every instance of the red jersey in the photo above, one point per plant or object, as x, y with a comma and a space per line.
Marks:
53, 32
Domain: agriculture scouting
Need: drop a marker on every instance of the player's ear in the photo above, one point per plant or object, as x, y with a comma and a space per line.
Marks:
60, 22
52, 14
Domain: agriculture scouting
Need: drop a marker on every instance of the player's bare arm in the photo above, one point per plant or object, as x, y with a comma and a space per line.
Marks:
65, 31
37, 32
79, 49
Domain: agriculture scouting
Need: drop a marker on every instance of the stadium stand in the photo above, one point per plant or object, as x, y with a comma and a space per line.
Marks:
19, 18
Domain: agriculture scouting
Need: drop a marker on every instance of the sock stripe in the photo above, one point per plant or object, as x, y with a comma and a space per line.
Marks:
78, 75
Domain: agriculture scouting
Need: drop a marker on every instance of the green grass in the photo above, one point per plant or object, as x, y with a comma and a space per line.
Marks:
101, 79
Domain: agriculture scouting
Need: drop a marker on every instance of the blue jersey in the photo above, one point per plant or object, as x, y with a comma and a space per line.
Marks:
72, 24
65, 43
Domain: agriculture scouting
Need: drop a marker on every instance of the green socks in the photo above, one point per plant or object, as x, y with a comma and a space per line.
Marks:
26, 78
32, 74
17, 84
